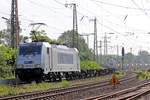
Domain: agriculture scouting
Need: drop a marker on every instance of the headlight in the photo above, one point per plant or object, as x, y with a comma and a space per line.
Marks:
20, 66
38, 65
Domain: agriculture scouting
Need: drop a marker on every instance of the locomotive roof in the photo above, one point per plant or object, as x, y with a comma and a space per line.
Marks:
34, 43
59, 46
48, 45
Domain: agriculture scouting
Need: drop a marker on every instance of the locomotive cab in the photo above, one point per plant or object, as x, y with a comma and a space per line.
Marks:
29, 61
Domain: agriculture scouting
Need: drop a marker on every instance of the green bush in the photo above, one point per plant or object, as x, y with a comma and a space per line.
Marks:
143, 75
7, 61
64, 83
136, 69
119, 74
148, 70
86, 65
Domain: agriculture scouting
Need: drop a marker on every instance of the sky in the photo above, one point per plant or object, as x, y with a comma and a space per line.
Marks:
129, 20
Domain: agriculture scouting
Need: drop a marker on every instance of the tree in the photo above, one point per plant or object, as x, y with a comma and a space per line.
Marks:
130, 58
7, 61
5, 38
143, 57
41, 36
5, 34
85, 52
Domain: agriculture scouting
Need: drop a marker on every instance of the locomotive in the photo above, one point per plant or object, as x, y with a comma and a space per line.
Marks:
44, 61
41, 60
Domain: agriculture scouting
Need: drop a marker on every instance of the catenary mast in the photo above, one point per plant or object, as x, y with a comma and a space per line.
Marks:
14, 24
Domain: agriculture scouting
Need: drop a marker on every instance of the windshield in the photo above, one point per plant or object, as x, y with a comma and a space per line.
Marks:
30, 50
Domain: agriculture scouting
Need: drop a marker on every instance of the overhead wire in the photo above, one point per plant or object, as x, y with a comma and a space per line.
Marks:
47, 7
29, 20
40, 4
107, 11
4, 13
117, 24
48, 24
59, 2
119, 6
143, 10
109, 28
64, 5
112, 30
122, 25
37, 4
115, 5
114, 17
103, 24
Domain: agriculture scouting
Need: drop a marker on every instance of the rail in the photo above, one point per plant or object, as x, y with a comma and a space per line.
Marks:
125, 92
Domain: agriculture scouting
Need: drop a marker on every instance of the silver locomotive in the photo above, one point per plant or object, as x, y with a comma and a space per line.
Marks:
44, 61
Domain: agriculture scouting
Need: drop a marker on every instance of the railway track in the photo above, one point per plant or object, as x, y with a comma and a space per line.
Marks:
126, 94
68, 93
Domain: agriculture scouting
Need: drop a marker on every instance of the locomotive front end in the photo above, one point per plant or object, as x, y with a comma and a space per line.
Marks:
29, 61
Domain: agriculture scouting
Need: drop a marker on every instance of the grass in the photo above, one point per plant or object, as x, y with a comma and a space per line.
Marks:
8, 90
97, 79
44, 86
142, 74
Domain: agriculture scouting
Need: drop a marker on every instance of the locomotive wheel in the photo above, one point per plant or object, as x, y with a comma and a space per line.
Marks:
53, 79
38, 81
60, 79
22, 78
67, 77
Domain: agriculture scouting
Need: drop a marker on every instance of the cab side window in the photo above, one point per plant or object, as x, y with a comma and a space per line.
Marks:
47, 50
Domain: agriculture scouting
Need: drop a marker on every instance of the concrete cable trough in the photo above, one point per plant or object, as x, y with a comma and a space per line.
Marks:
10, 81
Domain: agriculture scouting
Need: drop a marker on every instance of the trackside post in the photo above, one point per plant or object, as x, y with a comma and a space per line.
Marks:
114, 81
